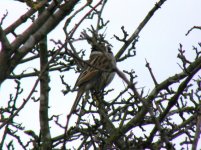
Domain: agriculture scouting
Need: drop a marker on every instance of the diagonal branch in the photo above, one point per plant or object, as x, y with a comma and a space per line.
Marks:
191, 69
174, 100
35, 27
32, 90
194, 27
4, 58
32, 37
6, 46
139, 28
19, 21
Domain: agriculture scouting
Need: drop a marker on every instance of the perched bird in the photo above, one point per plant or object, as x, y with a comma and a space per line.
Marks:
98, 72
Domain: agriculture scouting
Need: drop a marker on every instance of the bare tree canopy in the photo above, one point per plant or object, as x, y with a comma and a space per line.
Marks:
36, 70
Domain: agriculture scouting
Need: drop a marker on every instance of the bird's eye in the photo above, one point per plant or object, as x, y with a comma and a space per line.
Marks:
109, 50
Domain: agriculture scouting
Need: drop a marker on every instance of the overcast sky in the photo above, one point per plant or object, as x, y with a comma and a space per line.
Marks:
158, 43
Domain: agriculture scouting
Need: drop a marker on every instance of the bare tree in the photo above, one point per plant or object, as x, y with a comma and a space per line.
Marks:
115, 124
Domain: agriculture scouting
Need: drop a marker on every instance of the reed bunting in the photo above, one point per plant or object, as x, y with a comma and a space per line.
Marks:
98, 72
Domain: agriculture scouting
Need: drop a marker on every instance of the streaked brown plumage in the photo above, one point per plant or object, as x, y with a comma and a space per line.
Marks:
97, 75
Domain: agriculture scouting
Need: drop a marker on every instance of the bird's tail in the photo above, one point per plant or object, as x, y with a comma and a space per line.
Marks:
77, 100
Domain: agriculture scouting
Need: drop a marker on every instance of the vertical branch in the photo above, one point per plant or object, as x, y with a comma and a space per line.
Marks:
99, 13
198, 130
44, 95
106, 122
6, 47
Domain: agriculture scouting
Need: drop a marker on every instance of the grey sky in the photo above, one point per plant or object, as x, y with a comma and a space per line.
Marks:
158, 43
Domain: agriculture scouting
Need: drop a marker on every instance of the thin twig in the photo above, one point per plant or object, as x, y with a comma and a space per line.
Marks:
151, 73
139, 28
194, 27
71, 34
32, 90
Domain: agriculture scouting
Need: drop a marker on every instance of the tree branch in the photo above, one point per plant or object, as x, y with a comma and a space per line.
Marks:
139, 28
44, 95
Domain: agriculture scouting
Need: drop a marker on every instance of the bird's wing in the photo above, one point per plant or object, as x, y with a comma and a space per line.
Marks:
97, 60
86, 76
